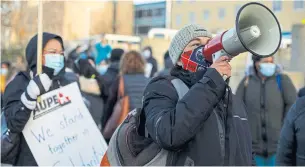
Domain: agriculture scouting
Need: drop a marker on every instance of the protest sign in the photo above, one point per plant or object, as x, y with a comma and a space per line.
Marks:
61, 131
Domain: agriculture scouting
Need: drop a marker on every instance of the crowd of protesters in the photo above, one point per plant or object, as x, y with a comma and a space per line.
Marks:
209, 125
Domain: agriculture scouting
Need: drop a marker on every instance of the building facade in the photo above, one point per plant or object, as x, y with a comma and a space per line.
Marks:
74, 19
147, 16
217, 16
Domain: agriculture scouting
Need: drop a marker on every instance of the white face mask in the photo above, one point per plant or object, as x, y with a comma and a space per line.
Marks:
54, 61
102, 69
146, 54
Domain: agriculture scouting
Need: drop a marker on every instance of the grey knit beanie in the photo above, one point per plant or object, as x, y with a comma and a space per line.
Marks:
183, 37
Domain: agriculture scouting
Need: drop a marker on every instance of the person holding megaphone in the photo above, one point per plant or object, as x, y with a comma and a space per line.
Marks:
191, 114
205, 125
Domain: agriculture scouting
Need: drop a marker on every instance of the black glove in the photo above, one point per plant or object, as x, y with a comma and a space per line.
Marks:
86, 69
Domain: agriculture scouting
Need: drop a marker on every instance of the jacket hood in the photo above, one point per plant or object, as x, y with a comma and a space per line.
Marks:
114, 66
31, 49
116, 55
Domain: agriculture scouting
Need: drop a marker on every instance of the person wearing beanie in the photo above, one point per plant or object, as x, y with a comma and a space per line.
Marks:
268, 95
200, 120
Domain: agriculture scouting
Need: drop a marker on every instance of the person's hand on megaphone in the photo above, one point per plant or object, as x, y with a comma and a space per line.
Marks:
222, 66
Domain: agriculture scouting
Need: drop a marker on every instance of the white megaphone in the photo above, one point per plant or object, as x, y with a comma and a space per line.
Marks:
256, 30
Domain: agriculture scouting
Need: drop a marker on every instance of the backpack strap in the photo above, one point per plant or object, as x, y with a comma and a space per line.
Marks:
180, 87
279, 82
121, 92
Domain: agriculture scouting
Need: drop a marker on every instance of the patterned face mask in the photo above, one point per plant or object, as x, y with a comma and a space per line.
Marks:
194, 60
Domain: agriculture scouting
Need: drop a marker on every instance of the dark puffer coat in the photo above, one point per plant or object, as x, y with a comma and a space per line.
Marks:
16, 113
208, 126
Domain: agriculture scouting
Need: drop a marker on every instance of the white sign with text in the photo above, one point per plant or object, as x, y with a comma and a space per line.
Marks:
61, 131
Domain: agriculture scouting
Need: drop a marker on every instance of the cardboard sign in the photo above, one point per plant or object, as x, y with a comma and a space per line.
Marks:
61, 131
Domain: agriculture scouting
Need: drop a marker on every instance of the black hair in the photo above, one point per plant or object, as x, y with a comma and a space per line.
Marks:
166, 55
7, 63
116, 55
150, 49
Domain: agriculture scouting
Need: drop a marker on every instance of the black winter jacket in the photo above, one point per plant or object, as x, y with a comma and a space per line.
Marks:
109, 78
16, 113
206, 127
291, 147
267, 102
301, 92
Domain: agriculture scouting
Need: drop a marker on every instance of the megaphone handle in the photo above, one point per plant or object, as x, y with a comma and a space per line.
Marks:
216, 56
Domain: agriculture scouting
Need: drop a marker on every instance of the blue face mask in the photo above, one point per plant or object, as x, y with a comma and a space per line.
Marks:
102, 69
54, 61
267, 69
3, 71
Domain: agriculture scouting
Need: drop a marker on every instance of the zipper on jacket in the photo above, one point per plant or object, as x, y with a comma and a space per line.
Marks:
59, 85
226, 127
221, 132
263, 118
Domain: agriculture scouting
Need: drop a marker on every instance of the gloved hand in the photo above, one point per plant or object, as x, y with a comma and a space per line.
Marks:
39, 85
86, 69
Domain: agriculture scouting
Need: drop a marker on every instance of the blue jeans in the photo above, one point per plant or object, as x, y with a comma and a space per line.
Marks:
263, 161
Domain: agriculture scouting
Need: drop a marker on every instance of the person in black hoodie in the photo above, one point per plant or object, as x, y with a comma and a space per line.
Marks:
208, 125
113, 70
22, 92
148, 55
168, 65
301, 92
92, 87
90, 82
